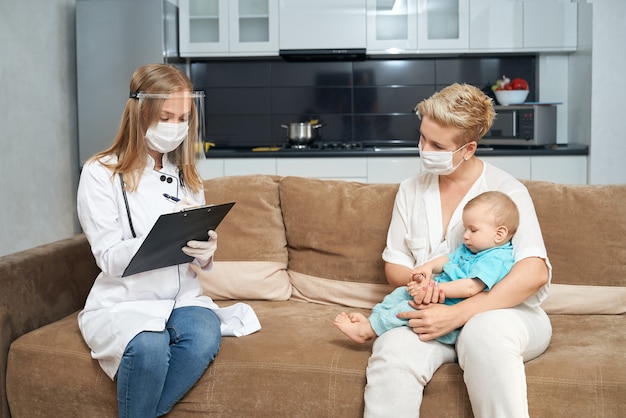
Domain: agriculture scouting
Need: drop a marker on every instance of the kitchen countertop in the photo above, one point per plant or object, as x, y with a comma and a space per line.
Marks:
371, 151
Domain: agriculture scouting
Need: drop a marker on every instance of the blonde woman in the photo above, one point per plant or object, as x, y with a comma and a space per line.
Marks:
154, 333
502, 328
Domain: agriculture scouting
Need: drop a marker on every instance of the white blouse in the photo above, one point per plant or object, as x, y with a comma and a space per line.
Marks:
416, 233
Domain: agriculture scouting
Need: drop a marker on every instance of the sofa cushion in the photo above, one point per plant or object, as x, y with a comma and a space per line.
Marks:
581, 300
51, 374
298, 354
579, 249
336, 232
589, 273
251, 259
316, 370
583, 371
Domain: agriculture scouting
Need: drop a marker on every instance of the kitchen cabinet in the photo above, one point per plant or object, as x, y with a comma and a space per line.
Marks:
245, 166
228, 28
550, 25
565, 169
518, 167
262, 27
322, 24
391, 26
496, 25
211, 168
522, 26
443, 25
391, 169
351, 169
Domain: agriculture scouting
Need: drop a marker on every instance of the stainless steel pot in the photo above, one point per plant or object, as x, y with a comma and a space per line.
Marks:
302, 133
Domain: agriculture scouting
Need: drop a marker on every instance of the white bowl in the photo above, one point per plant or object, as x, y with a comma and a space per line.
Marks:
509, 97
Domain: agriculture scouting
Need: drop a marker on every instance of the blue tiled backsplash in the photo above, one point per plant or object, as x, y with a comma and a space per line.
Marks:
247, 101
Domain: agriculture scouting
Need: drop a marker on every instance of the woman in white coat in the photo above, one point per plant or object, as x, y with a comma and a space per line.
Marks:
152, 332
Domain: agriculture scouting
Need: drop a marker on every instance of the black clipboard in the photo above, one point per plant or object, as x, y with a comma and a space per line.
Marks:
170, 233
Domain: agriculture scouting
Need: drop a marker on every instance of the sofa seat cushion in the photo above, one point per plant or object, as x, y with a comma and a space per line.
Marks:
298, 364
583, 372
51, 374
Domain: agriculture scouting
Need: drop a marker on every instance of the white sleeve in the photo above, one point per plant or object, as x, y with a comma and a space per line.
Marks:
528, 240
100, 217
397, 250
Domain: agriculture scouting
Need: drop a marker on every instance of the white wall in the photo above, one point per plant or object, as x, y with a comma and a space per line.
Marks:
607, 158
579, 79
37, 123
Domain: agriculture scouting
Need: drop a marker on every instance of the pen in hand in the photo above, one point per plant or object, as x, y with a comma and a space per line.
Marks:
171, 198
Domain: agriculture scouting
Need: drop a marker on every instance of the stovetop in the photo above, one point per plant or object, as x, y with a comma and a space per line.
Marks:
324, 146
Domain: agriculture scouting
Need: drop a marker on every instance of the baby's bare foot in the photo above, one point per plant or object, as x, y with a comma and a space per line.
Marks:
355, 325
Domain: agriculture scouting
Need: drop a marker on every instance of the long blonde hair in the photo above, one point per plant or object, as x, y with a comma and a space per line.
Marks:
129, 144
461, 106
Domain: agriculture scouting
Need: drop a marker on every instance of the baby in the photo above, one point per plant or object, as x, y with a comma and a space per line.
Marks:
485, 257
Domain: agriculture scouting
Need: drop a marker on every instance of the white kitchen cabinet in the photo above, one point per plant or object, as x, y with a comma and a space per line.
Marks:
203, 27
246, 166
253, 27
443, 25
351, 169
228, 28
550, 25
566, 169
211, 168
322, 24
391, 169
391, 26
496, 25
518, 167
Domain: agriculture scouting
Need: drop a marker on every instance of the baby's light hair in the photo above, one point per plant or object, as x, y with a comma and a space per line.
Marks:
504, 210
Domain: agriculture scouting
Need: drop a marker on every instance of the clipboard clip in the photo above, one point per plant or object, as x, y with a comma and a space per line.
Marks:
190, 208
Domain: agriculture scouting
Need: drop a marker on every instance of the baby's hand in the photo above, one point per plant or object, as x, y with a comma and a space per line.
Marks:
425, 293
417, 287
419, 276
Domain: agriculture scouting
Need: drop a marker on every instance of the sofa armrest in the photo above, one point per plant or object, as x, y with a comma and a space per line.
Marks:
39, 286
43, 284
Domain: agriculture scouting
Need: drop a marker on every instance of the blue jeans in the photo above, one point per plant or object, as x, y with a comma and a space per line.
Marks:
159, 368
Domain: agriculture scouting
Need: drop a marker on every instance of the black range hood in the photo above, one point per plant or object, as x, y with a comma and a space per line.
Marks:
310, 55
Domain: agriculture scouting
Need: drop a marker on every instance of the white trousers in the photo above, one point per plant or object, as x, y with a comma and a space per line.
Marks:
491, 349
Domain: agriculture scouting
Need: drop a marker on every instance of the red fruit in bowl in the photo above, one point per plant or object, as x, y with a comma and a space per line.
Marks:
519, 84
508, 86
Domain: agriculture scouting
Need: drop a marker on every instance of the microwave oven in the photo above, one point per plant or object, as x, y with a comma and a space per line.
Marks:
527, 125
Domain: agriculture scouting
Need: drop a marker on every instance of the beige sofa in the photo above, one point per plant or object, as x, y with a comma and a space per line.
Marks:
300, 251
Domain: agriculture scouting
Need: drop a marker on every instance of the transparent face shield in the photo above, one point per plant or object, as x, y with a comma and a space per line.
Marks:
173, 124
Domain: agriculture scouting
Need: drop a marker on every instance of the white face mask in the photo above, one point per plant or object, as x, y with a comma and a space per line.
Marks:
166, 137
439, 162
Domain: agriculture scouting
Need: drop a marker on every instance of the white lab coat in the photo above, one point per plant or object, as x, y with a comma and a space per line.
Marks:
119, 308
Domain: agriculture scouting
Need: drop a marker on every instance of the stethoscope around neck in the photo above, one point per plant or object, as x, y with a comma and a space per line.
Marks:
164, 178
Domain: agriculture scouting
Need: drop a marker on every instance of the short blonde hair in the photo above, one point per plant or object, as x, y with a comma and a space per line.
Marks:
502, 207
461, 106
